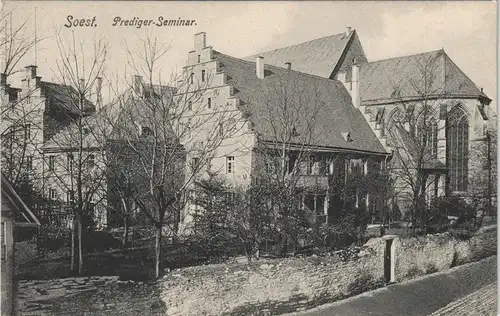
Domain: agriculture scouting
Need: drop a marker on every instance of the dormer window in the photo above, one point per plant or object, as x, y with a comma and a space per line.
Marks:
347, 136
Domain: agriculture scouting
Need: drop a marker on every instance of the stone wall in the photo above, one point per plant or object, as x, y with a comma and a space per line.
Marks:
264, 287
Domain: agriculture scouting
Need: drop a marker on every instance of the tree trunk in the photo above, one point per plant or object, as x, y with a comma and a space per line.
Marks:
125, 231
158, 250
73, 245
80, 250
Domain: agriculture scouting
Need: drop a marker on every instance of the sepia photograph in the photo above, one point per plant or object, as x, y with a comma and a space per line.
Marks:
248, 158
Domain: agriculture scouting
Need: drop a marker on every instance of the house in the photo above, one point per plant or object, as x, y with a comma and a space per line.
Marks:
258, 107
32, 117
142, 150
15, 214
386, 91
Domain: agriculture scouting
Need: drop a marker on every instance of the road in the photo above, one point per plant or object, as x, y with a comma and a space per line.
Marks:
466, 290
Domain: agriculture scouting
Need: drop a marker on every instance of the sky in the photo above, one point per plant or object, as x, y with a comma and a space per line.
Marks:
466, 30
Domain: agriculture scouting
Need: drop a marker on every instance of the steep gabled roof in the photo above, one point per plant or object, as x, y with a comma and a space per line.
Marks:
101, 125
23, 214
309, 98
317, 57
402, 77
65, 97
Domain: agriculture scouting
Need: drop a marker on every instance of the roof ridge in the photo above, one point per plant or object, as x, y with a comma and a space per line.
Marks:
406, 56
302, 43
335, 81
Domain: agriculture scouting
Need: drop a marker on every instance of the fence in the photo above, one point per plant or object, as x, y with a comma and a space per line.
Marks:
55, 230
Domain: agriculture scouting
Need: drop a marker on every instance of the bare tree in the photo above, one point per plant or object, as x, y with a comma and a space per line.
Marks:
159, 123
73, 154
19, 117
414, 129
16, 39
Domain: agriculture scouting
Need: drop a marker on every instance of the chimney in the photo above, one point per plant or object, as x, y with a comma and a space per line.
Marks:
30, 71
259, 67
348, 31
138, 85
98, 91
288, 65
200, 41
356, 100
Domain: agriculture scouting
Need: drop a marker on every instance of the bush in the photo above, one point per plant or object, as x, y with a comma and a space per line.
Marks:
414, 271
363, 283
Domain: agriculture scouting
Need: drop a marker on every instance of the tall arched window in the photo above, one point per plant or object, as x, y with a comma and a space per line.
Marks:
457, 145
427, 132
396, 119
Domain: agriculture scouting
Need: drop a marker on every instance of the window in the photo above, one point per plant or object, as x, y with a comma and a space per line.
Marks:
52, 160
52, 194
209, 103
69, 158
85, 131
457, 145
199, 58
190, 105
191, 78
229, 164
221, 130
365, 167
231, 197
310, 165
428, 136
70, 196
27, 131
292, 159
29, 162
4, 240
323, 170
195, 163
203, 76
90, 160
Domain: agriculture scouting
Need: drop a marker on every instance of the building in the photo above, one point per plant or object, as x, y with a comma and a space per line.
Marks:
386, 91
256, 108
142, 151
40, 129
15, 215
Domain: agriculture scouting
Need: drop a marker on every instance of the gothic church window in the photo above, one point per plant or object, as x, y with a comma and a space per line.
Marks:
427, 130
457, 145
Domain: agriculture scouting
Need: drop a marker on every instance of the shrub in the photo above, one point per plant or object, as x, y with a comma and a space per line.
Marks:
414, 271
364, 282
431, 268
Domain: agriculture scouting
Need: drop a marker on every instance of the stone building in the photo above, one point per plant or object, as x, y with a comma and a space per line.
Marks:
391, 95
39, 137
262, 104
378, 104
